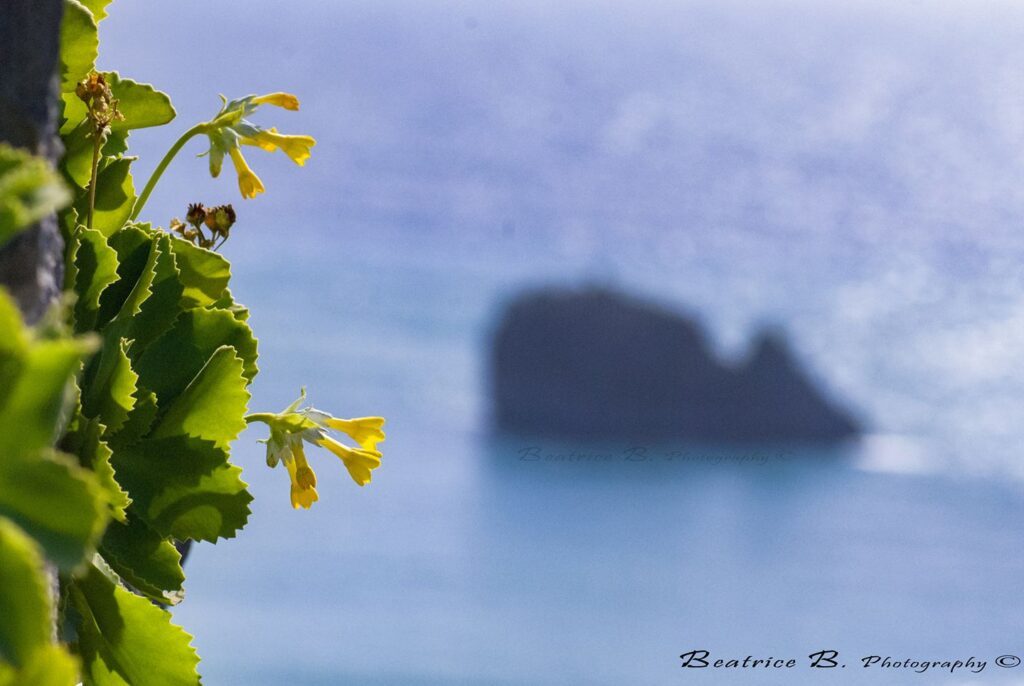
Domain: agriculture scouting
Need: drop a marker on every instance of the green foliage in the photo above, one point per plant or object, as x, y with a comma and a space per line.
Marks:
115, 432
118, 414
124, 639
29, 190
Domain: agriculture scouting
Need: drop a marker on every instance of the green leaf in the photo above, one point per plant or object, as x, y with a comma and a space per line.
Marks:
78, 142
32, 404
79, 45
13, 344
98, 8
170, 363
50, 665
163, 303
24, 596
29, 190
87, 443
227, 302
140, 420
124, 639
134, 261
185, 487
145, 560
109, 395
56, 502
115, 196
141, 104
213, 406
204, 273
179, 478
94, 268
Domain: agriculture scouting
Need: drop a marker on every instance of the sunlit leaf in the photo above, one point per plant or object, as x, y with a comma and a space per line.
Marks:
213, 406
56, 502
87, 443
29, 190
115, 195
171, 362
95, 268
125, 640
24, 596
79, 44
204, 273
109, 394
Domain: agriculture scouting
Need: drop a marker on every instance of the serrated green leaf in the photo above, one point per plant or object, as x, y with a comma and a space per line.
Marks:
213, 406
29, 190
159, 310
115, 196
109, 395
126, 640
145, 560
179, 478
134, 247
98, 8
141, 104
140, 420
172, 361
185, 487
204, 273
79, 45
56, 502
24, 597
87, 443
94, 269
227, 302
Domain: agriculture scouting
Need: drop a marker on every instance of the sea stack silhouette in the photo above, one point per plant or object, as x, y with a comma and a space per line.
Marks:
596, 364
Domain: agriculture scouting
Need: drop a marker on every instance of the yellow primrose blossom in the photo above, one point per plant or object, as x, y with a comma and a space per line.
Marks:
288, 430
248, 182
231, 128
285, 100
296, 147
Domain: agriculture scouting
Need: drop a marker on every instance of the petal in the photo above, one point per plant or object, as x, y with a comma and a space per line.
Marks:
366, 431
358, 461
285, 100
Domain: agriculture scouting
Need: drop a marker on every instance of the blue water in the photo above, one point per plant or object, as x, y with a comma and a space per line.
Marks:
854, 173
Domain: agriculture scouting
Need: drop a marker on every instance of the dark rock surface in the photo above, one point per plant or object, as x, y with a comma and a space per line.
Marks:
599, 365
31, 264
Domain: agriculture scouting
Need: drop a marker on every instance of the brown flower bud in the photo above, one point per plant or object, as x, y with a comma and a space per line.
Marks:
196, 214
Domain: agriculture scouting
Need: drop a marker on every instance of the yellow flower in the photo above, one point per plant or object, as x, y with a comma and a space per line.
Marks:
248, 182
296, 147
358, 461
292, 426
303, 491
231, 128
285, 100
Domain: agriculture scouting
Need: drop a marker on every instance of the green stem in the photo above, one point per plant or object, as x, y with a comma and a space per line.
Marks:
96, 145
158, 172
259, 417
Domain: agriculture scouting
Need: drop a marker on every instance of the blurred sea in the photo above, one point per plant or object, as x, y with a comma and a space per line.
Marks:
854, 172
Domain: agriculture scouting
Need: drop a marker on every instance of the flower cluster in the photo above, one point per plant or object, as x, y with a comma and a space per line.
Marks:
231, 129
291, 427
218, 220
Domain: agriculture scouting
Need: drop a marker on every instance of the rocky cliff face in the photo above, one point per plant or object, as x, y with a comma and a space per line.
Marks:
595, 364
